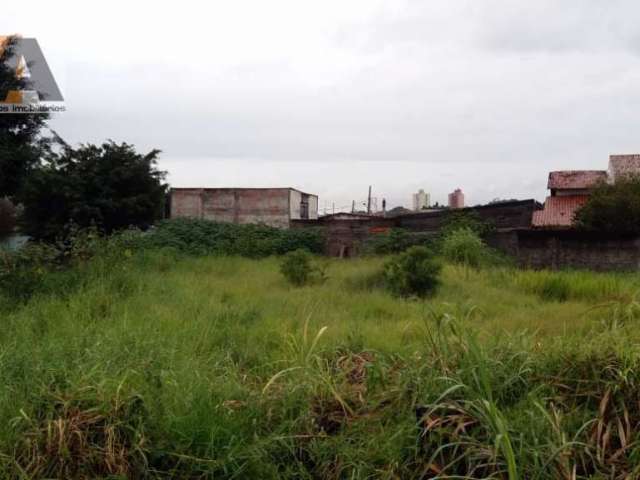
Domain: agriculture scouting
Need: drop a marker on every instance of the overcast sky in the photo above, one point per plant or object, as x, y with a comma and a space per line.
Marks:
331, 96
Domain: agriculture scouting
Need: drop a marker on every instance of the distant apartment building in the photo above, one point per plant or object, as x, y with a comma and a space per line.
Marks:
570, 189
421, 200
456, 199
275, 207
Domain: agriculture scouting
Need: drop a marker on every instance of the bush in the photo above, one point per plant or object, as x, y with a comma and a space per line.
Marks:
457, 220
204, 237
296, 267
58, 268
299, 269
414, 272
464, 246
612, 208
395, 241
22, 272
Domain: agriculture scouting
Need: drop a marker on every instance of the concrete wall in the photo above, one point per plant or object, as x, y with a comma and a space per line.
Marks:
574, 249
295, 197
569, 249
313, 207
295, 205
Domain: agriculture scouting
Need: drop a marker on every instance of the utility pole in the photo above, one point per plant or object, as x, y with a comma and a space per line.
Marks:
369, 202
353, 206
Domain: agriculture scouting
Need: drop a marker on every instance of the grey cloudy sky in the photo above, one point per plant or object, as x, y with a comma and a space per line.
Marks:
331, 96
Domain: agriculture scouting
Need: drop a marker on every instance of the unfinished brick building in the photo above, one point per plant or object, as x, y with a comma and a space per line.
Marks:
275, 207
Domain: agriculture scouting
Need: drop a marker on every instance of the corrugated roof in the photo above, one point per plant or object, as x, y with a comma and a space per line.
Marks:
558, 212
575, 179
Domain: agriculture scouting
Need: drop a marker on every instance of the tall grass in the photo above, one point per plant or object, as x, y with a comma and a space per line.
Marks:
576, 285
165, 366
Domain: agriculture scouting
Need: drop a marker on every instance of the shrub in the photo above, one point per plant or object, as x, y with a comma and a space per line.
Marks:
395, 241
297, 267
414, 272
457, 219
204, 237
22, 272
464, 246
55, 268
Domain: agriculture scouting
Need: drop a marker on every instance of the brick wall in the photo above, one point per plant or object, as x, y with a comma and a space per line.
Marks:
345, 234
269, 206
569, 249
516, 214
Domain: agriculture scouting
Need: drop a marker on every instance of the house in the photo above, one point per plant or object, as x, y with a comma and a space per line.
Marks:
275, 207
570, 190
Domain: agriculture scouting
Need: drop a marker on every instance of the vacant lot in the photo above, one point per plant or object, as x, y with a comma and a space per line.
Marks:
215, 367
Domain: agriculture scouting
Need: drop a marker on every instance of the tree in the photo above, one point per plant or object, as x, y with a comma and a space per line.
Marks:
458, 219
612, 208
110, 186
20, 142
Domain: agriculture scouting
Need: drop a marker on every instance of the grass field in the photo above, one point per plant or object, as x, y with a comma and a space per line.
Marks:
214, 367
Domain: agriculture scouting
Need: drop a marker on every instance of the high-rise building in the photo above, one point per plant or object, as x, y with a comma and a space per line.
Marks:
456, 199
421, 200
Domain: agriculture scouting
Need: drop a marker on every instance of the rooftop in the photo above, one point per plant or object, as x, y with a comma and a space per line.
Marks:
558, 212
191, 189
575, 179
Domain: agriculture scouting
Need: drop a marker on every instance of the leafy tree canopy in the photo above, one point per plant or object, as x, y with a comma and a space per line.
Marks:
459, 219
612, 208
20, 141
110, 186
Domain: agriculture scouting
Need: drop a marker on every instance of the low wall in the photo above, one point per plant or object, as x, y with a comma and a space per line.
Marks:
574, 249
513, 214
346, 233
538, 249
569, 249
344, 238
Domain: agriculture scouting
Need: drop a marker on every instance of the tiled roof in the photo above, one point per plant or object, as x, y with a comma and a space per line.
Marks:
558, 211
575, 179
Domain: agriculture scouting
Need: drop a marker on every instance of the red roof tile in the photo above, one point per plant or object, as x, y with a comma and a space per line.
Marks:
558, 211
575, 179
